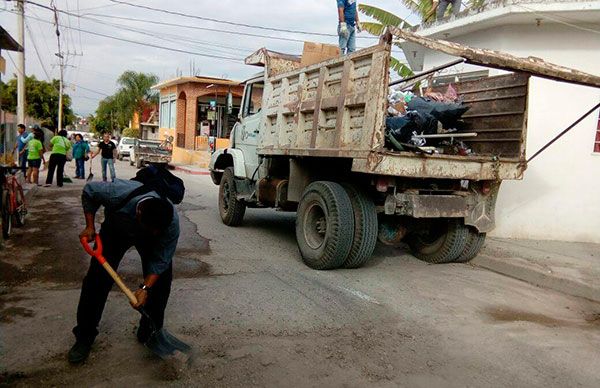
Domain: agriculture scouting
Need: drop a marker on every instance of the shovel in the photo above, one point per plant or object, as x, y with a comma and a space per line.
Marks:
160, 342
91, 176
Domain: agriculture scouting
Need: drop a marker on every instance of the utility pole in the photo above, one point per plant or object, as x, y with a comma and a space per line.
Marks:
21, 62
61, 65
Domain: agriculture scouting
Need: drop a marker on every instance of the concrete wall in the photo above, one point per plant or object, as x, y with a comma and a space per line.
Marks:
559, 197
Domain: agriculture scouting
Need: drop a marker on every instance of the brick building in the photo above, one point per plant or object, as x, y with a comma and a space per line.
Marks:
198, 111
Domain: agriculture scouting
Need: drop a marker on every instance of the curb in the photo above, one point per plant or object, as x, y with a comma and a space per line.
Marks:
538, 276
191, 171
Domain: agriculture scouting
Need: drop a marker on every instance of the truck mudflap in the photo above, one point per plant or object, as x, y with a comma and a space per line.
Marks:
475, 208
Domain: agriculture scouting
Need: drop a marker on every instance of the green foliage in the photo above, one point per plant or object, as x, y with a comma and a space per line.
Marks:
384, 18
41, 99
131, 132
134, 94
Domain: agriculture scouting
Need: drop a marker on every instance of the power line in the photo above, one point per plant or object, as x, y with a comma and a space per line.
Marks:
89, 90
237, 60
221, 21
557, 20
37, 51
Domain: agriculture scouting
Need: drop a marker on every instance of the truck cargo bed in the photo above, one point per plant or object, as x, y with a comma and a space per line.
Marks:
338, 108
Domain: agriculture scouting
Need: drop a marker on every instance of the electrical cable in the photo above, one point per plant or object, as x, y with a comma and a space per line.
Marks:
39, 57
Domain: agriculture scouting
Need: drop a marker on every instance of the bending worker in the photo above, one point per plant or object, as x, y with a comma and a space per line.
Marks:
348, 26
133, 217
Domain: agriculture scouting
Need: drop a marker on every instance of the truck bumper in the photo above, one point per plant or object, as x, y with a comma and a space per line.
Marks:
477, 210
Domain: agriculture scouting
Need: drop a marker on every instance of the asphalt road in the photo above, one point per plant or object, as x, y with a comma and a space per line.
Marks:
257, 316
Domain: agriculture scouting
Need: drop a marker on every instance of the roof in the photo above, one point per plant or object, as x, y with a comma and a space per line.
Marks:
7, 42
196, 79
499, 60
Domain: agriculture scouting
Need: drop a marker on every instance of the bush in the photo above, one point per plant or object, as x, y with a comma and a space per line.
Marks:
131, 132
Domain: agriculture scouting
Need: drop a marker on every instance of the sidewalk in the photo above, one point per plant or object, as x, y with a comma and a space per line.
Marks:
190, 169
571, 268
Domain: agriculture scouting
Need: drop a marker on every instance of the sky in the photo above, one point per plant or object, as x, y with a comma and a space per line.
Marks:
95, 62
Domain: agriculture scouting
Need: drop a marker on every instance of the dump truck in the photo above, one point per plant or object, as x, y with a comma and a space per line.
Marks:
313, 140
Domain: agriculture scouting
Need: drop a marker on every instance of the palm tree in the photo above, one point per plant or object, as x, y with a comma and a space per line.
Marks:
423, 8
135, 93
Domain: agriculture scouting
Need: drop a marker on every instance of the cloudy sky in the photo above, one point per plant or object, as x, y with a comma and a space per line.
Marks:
95, 62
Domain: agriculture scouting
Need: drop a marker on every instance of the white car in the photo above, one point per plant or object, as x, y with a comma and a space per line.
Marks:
125, 146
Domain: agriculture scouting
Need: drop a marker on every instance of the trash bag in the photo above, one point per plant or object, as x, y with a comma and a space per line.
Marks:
447, 113
403, 127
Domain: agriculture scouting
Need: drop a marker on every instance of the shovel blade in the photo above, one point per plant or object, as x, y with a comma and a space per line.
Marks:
164, 344
90, 177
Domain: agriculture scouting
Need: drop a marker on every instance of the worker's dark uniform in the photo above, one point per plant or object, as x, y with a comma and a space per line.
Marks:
119, 232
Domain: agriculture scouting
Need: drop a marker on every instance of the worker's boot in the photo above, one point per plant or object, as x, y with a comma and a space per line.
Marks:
79, 352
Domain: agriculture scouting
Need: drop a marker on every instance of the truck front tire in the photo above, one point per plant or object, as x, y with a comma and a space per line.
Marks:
475, 242
442, 241
231, 208
365, 228
325, 225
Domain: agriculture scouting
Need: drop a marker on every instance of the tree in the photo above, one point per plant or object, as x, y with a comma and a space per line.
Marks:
41, 100
384, 19
135, 93
422, 8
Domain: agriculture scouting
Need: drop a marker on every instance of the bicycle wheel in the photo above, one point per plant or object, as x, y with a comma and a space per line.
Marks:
20, 211
6, 218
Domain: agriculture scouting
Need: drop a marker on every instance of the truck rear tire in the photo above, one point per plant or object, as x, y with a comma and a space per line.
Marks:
324, 225
442, 242
475, 242
231, 208
365, 228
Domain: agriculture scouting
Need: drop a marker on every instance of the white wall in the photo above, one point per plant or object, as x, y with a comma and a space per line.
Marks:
559, 198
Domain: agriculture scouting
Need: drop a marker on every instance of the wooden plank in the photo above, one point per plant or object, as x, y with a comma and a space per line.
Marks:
341, 108
317, 111
500, 60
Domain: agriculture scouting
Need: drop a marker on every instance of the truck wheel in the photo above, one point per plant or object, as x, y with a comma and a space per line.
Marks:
475, 242
231, 209
324, 225
365, 228
442, 242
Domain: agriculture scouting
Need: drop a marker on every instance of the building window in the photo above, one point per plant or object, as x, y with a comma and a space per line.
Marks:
597, 141
168, 112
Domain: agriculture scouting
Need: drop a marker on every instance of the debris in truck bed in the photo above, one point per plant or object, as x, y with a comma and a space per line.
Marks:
411, 117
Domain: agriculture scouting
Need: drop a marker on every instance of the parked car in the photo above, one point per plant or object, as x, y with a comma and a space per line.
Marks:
149, 151
125, 146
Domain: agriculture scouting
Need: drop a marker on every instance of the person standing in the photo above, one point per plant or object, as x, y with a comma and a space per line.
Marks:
23, 137
35, 157
81, 151
443, 5
60, 146
348, 26
146, 221
109, 153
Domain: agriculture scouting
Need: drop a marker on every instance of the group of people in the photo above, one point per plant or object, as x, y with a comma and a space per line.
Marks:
349, 24
30, 147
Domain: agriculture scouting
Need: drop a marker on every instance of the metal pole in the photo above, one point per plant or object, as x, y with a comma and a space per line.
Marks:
430, 71
21, 62
60, 97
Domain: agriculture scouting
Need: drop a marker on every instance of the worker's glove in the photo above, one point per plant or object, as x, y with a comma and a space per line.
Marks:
359, 28
343, 30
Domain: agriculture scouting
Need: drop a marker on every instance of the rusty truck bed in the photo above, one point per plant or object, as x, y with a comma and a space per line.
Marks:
337, 109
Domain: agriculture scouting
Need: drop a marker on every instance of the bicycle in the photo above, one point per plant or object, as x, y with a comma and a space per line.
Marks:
13, 202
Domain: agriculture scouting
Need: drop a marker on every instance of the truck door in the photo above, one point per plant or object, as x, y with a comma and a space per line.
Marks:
246, 132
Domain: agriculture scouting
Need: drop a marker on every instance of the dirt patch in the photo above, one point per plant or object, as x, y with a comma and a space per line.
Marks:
7, 315
510, 315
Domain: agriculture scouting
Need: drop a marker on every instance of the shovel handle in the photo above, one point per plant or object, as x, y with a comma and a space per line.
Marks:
97, 254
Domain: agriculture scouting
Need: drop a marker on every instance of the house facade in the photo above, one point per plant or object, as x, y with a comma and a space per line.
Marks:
558, 199
199, 112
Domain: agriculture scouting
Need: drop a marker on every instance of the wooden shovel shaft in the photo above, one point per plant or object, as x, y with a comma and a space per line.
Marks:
120, 283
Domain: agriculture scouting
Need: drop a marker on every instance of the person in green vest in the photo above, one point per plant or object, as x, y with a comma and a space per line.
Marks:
60, 146
35, 158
